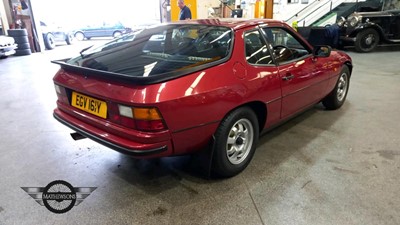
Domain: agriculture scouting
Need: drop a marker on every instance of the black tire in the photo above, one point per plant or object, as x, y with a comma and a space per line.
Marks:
367, 40
49, 41
22, 52
69, 39
24, 46
242, 129
21, 39
17, 32
338, 95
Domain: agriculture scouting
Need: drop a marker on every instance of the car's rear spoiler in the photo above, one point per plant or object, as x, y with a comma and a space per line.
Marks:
134, 79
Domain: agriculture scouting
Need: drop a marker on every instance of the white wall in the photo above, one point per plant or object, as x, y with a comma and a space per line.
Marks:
203, 7
3, 17
284, 10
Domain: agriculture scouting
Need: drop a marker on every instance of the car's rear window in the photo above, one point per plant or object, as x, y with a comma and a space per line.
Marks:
159, 50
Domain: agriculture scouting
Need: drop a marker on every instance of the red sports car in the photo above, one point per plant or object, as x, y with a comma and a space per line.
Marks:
178, 88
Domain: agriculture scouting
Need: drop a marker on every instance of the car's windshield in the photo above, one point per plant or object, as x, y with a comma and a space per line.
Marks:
158, 50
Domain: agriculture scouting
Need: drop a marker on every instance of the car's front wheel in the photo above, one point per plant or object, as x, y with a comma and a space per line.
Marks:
338, 95
235, 142
49, 41
367, 40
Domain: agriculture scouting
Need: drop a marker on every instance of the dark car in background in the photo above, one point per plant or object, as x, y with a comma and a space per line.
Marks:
53, 34
375, 22
103, 29
366, 30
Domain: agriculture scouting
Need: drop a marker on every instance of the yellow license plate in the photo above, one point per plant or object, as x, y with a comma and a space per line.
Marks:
89, 104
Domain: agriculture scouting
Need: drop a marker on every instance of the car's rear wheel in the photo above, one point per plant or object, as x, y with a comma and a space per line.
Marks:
235, 142
338, 95
117, 34
367, 40
79, 36
49, 41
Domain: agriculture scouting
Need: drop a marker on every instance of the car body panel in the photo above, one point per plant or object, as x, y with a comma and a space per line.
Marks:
193, 105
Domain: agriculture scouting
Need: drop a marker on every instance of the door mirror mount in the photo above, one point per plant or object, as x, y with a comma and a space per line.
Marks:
322, 51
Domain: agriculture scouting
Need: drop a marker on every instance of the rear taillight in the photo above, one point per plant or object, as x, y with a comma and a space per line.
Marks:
144, 119
61, 94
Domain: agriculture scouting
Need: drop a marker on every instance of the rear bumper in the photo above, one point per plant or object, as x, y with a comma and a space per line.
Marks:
125, 146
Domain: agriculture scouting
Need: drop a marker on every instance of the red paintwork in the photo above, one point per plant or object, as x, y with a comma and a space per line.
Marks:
193, 106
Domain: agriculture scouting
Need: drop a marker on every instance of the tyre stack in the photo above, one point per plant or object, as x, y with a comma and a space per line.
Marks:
21, 38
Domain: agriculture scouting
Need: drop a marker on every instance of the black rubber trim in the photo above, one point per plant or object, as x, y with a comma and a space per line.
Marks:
113, 146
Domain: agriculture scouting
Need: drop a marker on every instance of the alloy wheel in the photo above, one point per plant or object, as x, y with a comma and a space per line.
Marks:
239, 142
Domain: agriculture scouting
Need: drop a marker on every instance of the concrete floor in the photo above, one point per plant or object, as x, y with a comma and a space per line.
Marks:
323, 167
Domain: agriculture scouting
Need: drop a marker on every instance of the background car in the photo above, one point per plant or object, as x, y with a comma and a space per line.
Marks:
103, 29
187, 86
366, 30
7, 46
53, 34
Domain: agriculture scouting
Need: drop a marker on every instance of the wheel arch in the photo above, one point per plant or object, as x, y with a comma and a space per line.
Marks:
259, 108
45, 34
350, 66
117, 31
78, 31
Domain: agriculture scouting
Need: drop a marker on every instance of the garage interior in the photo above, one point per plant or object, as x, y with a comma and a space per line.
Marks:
321, 167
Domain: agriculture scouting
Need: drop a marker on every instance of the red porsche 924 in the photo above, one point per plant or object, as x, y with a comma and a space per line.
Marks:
175, 88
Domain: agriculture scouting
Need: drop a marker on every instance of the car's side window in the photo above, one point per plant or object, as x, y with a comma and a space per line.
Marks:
256, 49
284, 45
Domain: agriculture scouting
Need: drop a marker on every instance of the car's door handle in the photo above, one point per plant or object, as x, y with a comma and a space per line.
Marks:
288, 77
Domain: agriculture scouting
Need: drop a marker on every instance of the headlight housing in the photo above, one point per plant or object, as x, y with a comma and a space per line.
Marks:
341, 21
353, 20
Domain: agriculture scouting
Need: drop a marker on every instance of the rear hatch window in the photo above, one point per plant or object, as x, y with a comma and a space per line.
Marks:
160, 53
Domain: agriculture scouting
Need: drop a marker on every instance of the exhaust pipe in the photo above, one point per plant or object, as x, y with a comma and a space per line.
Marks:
77, 136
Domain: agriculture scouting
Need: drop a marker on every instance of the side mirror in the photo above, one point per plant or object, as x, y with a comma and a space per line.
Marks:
322, 51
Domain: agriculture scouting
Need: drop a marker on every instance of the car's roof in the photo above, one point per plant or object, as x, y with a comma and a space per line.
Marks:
234, 23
